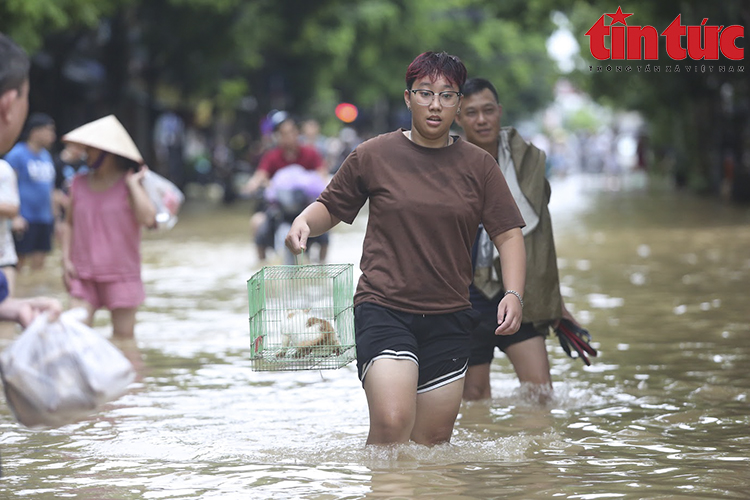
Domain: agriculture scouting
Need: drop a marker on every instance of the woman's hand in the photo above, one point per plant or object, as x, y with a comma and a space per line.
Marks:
509, 314
19, 225
30, 308
69, 272
314, 220
24, 311
296, 238
135, 178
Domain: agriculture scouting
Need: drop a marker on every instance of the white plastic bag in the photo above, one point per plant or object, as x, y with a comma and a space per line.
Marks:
57, 373
166, 197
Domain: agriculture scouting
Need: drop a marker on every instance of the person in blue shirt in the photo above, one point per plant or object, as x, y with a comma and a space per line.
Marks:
35, 169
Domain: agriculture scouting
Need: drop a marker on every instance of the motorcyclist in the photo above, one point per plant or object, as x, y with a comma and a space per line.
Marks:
288, 151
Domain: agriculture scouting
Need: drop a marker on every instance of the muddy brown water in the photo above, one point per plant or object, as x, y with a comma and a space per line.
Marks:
661, 279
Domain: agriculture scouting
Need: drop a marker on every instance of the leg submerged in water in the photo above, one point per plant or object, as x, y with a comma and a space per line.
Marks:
399, 414
437, 411
391, 389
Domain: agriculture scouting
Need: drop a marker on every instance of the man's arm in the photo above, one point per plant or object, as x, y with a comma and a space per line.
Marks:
259, 179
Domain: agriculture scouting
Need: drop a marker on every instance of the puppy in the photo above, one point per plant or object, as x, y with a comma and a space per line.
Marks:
304, 335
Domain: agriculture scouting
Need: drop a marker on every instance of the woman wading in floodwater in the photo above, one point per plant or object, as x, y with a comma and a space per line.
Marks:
427, 191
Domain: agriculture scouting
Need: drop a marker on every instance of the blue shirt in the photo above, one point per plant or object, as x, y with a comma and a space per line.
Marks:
3, 286
36, 180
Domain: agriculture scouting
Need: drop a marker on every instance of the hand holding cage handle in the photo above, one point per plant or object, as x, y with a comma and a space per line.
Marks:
573, 337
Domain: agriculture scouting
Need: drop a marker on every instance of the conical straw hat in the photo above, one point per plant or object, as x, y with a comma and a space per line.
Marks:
106, 134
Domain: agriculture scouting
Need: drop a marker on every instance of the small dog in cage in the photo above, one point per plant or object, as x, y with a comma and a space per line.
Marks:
303, 334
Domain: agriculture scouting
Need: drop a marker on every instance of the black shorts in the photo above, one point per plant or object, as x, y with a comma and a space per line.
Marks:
437, 343
484, 340
36, 238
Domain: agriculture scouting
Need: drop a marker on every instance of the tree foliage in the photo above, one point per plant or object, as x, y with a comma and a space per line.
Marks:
29, 21
697, 112
307, 56
296, 54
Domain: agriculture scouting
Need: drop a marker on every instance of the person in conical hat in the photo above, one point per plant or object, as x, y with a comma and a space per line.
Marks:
101, 237
106, 134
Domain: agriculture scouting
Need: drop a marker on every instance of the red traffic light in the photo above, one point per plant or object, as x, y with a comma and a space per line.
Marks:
346, 112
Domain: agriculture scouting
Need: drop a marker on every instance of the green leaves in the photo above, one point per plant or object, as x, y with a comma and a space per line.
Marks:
312, 54
28, 21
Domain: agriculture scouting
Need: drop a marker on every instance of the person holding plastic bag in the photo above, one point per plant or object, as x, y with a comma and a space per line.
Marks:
101, 236
24, 311
58, 372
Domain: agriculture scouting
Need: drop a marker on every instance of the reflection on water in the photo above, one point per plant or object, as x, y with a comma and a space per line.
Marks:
659, 279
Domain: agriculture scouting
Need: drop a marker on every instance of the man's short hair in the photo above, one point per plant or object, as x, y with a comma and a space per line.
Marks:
476, 85
14, 65
35, 120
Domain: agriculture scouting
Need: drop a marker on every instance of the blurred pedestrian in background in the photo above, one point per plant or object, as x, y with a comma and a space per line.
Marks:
523, 166
311, 136
288, 151
340, 146
32, 162
428, 192
291, 190
14, 105
102, 232
169, 141
69, 161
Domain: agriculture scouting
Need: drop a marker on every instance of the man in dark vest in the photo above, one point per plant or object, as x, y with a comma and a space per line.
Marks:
523, 165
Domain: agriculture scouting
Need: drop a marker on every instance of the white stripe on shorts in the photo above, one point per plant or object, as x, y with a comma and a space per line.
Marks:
390, 354
444, 380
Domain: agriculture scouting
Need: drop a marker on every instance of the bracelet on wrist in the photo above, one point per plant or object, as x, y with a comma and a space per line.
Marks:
518, 295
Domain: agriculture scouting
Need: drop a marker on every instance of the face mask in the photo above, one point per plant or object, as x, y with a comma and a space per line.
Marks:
98, 162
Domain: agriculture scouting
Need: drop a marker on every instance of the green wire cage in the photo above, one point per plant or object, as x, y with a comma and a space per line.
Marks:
301, 317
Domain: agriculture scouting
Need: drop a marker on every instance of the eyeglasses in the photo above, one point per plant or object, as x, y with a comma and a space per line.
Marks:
424, 97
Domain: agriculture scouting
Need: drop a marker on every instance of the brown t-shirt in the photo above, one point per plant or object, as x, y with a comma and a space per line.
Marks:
425, 208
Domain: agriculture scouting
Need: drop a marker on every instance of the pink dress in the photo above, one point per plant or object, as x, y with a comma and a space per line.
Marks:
106, 240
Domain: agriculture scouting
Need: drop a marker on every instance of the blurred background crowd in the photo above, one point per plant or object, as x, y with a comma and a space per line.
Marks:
198, 82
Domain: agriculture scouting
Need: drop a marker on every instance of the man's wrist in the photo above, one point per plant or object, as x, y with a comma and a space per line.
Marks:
518, 296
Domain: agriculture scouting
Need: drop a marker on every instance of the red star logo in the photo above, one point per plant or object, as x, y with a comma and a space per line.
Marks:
619, 17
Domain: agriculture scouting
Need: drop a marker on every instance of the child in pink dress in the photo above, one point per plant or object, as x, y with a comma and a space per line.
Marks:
101, 237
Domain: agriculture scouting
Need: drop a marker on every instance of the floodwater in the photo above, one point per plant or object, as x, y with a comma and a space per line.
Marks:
661, 280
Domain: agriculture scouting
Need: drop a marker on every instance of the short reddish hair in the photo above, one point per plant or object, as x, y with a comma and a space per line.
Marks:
434, 65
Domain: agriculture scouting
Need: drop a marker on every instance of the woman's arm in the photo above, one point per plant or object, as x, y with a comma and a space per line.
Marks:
23, 311
145, 211
513, 263
8, 210
66, 232
313, 221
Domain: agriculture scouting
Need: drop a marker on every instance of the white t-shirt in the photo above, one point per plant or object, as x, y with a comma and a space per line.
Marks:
8, 195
